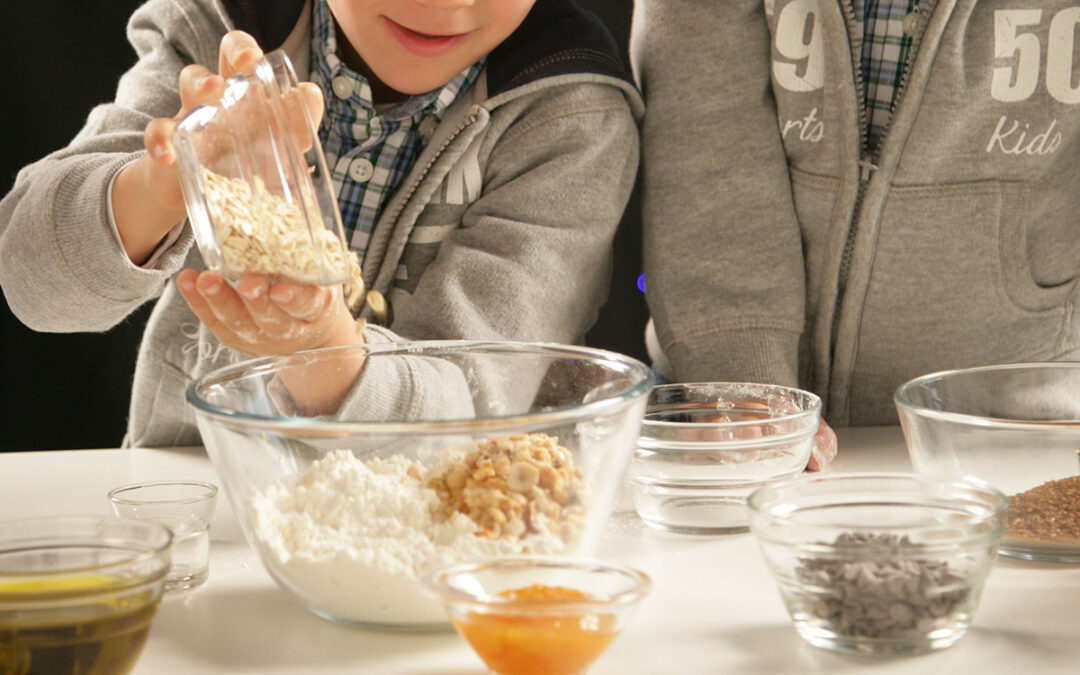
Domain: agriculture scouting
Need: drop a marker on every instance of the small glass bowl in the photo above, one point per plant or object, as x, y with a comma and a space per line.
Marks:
526, 616
705, 446
165, 498
186, 507
78, 594
255, 181
879, 563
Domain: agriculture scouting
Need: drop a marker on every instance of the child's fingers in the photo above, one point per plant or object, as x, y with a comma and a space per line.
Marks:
226, 306
238, 53
197, 86
186, 281
308, 96
825, 448
160, 169
306, 302
158, 140
255, 292
313, 99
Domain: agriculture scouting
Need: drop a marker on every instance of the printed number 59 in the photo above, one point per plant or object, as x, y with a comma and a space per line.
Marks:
801, 66
1018, 80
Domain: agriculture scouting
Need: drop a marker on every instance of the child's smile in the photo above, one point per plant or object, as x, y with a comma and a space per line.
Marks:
416, 46
424, 45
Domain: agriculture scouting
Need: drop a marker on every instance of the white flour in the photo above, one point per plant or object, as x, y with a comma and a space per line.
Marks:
353, 537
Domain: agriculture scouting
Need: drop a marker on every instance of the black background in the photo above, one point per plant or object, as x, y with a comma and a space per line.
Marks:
71, 390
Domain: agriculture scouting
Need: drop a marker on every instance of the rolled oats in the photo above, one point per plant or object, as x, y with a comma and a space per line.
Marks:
261, 233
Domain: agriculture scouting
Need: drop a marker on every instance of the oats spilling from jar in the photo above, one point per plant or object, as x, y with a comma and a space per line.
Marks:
515, 486
262, 233
884, 592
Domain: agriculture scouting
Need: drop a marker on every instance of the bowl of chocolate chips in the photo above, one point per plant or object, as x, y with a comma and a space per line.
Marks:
879, 563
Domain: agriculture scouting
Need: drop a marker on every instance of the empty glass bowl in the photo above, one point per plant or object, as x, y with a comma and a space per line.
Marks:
879, 563
78, 594
705, 446
1014, 426
440, 452
526, 616
186, 507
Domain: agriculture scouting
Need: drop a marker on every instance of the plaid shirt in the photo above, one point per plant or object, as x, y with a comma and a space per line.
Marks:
368, 150
886, 48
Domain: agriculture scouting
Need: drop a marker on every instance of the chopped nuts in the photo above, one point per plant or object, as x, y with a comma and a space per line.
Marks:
515, 486
522, 476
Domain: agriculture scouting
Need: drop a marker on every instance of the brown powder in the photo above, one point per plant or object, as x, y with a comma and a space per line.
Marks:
1048, 512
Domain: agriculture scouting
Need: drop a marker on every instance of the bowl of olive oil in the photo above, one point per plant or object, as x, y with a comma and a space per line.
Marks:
78, 594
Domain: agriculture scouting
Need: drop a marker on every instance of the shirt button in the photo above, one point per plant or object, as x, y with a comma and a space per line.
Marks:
427, 127
361, 170
343, 86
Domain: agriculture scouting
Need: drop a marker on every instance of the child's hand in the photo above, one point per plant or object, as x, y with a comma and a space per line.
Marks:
262, 319
825, 447
147, 199
825, 444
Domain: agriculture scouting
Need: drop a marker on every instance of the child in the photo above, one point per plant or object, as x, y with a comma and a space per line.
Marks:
831, 205
483, 151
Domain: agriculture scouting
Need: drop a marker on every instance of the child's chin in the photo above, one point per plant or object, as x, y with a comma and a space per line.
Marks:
412, 83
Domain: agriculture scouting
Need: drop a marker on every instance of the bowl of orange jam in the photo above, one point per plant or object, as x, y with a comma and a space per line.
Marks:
538, 616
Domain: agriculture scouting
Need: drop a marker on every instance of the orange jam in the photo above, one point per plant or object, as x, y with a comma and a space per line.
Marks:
543, 643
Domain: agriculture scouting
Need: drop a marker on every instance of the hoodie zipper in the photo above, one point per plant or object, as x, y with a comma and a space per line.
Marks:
867, 161
413, 185
467, 121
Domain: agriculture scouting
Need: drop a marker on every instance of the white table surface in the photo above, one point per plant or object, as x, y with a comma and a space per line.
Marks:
713, 608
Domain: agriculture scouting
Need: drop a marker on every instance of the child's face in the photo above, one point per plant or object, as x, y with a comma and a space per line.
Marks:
415, 46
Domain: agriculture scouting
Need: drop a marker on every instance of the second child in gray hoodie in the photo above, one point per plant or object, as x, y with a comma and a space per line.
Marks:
783, 247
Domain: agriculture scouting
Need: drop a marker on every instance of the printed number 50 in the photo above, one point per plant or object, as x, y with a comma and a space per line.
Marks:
1017, 80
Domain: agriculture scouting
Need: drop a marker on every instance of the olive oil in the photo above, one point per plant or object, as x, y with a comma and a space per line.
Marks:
104, 636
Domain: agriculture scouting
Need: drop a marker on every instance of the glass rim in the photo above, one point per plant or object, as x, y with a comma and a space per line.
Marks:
901, 396
59, 532
813, 409
765, 504
642, 383
435, 583
115, 495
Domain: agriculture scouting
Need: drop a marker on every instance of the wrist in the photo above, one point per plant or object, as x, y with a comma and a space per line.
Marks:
344, 330
142, 219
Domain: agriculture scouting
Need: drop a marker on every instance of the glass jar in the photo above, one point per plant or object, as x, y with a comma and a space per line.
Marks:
256, 185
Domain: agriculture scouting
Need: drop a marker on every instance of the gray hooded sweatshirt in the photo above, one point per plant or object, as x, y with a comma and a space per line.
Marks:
778, 250
502, 230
